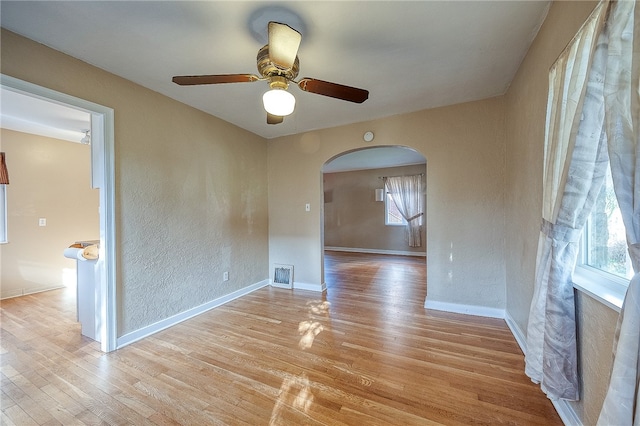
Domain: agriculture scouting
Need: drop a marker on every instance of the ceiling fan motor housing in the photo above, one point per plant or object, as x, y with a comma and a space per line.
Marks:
267, 68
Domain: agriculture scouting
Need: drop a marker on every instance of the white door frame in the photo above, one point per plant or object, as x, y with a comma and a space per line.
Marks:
102, 177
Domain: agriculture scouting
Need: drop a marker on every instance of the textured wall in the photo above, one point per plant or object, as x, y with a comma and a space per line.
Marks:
526, 103
191, 190
596, 326
352, 217
51, 179
464, 148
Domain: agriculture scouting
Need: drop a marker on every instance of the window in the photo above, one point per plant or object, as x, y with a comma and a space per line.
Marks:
392, 214
604, 240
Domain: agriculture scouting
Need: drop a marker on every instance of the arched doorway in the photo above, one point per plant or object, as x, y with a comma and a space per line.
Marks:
352, 220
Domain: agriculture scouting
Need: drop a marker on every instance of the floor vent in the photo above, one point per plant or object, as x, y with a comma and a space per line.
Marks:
283, 276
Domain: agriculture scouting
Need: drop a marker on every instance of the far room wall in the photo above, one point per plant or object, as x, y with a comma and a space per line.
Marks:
49, 179
355, 221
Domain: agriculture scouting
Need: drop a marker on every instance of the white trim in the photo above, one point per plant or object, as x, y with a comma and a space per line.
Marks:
189, 313
377, 251
603, 287
108, 240
311, 287
566, 412
519, 335
104, 119
481, 311
22, 293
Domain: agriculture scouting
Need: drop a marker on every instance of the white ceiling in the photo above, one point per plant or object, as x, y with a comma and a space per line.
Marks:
37, 116
409, 55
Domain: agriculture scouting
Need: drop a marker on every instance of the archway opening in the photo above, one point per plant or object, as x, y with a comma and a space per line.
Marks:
356, 208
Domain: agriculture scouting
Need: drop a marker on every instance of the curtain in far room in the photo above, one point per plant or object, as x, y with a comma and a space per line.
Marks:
407, 194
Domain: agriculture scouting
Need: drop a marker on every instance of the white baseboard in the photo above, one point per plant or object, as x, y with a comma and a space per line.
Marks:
285, 286
566, 412
311, 287
519, 335
21, 292
377, 251
481, 311
301, 286
182, 316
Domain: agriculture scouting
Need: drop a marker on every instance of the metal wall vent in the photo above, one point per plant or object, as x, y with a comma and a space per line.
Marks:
282, 276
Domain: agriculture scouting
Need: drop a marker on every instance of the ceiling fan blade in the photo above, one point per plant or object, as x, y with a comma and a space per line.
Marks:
334, 90
284, 42
190, 80
274, 119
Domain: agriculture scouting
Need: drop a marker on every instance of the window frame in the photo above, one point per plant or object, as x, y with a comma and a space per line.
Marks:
602, 285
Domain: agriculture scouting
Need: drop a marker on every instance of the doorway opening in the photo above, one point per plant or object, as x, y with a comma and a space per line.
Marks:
102, 178
355, 208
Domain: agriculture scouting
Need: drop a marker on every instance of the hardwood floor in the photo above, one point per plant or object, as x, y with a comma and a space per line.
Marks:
364, 353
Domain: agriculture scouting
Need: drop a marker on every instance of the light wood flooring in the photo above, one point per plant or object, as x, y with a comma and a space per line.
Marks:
364, 353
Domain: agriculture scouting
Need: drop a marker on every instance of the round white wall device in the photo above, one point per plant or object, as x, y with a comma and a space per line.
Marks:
368, 136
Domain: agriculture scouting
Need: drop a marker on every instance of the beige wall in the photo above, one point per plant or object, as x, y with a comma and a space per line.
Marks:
190, 189
352, 217
50, 179
526, 108
464, 148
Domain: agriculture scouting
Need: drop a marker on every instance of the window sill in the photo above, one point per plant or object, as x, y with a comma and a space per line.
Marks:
606, 290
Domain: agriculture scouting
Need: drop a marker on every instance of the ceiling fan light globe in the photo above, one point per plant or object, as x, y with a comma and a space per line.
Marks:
279, 102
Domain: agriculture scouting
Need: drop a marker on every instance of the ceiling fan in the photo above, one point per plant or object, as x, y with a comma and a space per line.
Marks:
278, 65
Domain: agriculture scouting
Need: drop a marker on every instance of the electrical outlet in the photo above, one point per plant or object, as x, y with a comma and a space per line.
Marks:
225, 276
42, 221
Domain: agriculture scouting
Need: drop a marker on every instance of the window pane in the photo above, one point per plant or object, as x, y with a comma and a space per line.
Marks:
393, 215
606, 241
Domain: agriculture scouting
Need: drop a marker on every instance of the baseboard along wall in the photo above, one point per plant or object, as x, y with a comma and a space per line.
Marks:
182, 316
376, 251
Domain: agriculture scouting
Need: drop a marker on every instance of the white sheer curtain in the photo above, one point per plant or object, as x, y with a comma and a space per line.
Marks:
575, 165
406, 192
622, 403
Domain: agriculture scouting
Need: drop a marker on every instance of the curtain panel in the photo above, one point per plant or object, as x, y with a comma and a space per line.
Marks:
574, 169
4, 173
408, 195
622, 99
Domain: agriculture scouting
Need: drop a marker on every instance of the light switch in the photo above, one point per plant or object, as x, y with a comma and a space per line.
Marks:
42, 221
307, 207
